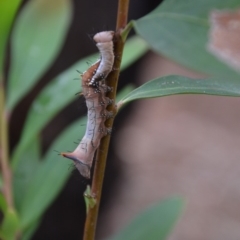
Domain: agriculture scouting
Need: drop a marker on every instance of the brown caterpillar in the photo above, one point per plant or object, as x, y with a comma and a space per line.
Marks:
104, 42
96, 102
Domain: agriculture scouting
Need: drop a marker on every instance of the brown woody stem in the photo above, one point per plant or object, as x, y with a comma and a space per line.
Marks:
112, 81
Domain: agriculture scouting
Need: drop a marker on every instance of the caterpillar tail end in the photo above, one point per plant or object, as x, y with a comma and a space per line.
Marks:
84, 169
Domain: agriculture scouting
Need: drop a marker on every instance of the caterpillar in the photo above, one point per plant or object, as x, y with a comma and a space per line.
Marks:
96, 101
104, 44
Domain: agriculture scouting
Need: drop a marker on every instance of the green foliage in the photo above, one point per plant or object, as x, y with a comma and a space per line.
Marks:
36, 40
10, 223
154, 223
171, 85
176, 29
52, 171
28, 165
7, 13
179, 30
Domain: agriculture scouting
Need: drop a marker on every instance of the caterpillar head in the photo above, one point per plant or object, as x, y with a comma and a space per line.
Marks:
101, 37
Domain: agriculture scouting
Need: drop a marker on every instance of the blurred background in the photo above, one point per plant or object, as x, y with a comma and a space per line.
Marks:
180, 145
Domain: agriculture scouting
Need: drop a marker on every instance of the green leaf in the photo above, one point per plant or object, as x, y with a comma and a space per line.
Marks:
36, 40
24, 172
7, 12
155, 223
126, 30
171, 85
179, 30
50, 177
3, 203
134, 48
1, 181
28, 233
126, 90
61, 91
9, 226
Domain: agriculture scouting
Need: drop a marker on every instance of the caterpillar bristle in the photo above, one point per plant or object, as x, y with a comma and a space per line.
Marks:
78, 93
79, 72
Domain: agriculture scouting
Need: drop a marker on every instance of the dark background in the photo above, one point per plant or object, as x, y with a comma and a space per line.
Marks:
65, 217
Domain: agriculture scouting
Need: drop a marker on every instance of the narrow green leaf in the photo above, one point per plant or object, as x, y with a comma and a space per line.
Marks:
171, 85
155, 223
180, 31
50, 176
28, 233
126, 31
10, 225
126, 90
195, 8
36, 40
134, 48
61, 91
1, 181
3, 203
7, 12
24, 172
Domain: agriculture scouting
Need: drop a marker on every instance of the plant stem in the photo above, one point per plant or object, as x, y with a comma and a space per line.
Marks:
4, 150
122, 16
112, 81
